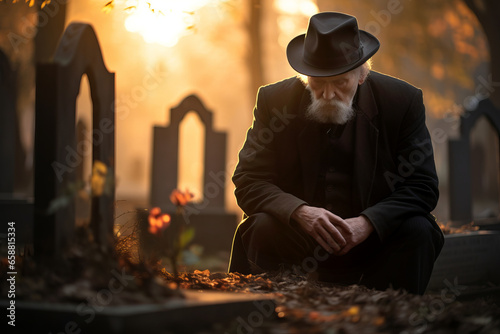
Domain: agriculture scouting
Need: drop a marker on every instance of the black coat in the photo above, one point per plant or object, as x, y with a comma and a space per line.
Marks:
394, 176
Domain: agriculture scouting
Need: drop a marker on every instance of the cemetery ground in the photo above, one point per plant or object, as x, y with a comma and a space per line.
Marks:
94, 281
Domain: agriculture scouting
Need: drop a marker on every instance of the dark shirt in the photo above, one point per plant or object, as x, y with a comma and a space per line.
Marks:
334, 191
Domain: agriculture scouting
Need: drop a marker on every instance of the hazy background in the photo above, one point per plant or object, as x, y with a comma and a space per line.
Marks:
437, 46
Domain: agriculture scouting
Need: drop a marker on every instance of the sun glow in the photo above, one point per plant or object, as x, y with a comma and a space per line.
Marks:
295, 7
163, 22
293, 16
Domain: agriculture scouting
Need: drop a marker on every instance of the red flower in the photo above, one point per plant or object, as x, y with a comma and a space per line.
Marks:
157, 221
180, 198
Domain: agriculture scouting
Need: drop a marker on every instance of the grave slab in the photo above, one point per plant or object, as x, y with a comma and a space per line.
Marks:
467, 259
198, 311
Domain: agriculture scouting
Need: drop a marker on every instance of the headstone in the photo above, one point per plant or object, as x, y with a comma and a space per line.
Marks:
57, 154
13, 208
214, 226
166, 157
460, 161
469, 258
8, 126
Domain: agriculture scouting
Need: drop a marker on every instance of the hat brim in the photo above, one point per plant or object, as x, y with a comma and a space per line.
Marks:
295, 55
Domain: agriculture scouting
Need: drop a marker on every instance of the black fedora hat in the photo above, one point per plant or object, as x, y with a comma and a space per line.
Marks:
332, 45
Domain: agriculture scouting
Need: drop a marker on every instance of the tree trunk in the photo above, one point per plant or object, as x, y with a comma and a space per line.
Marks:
487, 12
255, 52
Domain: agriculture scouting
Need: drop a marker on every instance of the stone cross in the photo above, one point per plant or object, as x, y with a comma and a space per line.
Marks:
57, 154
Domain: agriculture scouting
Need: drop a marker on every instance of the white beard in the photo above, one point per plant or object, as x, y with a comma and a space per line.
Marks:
332, 112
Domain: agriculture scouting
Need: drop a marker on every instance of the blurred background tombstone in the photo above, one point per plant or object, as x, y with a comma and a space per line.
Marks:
484, 170
470, 165
214, 227
8, 129
471, 258
58, 155
13, 208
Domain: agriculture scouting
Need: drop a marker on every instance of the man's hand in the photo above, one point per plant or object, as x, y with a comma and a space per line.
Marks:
333, 233
320, 224
359, 229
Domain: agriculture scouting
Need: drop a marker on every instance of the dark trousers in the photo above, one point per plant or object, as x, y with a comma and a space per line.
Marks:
403, 261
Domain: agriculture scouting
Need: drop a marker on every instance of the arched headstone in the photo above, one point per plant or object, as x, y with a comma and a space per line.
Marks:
214, 227
460, 161
57, 154
166, 156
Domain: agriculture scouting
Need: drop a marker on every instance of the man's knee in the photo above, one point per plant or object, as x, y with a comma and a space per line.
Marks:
252, 236
418, 230
260, 228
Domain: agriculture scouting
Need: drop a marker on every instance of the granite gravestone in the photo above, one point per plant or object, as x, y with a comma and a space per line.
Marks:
214, 226
57, 153
14, 207
469, 258
459, 151
8, 129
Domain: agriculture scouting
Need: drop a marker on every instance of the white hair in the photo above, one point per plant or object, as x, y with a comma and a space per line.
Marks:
365, 71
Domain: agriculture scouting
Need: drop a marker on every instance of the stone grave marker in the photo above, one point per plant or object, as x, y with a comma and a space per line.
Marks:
459, 151
195, 313
8, 129
214, 226
58, 155
467, 258
13, 208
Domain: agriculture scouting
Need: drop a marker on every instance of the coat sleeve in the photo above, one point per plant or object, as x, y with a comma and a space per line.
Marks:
255, 174
413, 183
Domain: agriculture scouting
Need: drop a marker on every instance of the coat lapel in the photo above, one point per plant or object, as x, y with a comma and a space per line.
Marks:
366, 148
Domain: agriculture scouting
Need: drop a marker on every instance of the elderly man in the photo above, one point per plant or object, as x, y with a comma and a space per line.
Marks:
337, 172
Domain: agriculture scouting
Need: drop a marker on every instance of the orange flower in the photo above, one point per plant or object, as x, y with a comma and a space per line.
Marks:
157, 221
180, 198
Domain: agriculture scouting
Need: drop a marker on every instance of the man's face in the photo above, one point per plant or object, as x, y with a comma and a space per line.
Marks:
332, 97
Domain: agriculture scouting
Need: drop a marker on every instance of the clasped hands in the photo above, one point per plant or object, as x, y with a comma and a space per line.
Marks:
336, 235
